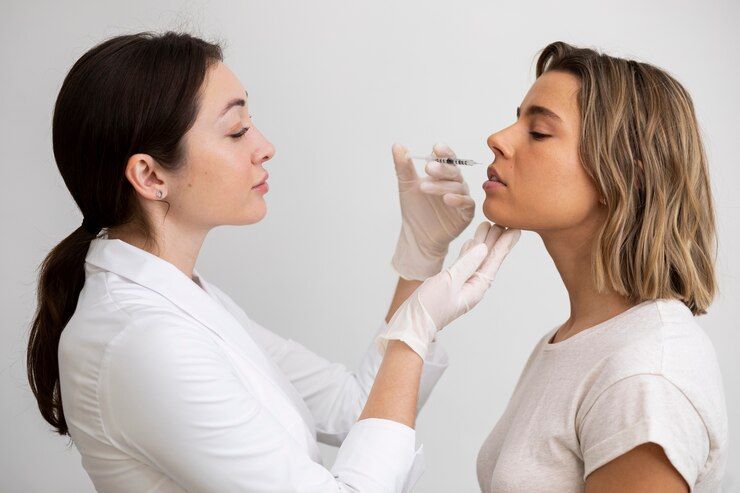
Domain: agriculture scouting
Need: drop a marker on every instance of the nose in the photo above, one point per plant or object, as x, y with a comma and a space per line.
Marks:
498, 143
264, 151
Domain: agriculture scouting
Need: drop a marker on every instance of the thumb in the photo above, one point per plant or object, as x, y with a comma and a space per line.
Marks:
467, 264
441, 149
404, 166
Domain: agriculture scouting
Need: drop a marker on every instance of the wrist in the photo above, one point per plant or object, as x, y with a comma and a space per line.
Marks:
412, 325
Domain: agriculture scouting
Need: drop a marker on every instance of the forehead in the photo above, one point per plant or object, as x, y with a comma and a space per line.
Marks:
220, 86
557, 91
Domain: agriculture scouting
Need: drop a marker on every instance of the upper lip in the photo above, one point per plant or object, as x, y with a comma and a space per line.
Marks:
267, 175
492, 172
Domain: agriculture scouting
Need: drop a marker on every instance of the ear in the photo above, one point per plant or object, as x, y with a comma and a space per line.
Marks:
146, 176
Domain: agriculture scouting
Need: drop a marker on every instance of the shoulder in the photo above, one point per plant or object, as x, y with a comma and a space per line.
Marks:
225, 300
657, 380
159, 358
660, 338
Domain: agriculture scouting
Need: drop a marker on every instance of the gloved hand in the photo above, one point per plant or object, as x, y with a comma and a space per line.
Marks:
435, 209
442, 298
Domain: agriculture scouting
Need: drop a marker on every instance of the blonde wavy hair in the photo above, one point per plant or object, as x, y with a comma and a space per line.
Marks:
640, 144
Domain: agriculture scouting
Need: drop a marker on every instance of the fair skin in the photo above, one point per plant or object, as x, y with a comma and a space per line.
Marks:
219, 184
548, 191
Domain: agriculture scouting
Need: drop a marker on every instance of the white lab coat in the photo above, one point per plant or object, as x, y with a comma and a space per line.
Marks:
168, 386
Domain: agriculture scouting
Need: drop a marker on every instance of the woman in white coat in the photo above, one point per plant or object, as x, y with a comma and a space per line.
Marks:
163, 383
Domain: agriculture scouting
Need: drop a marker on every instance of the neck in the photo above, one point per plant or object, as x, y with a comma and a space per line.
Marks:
172, 242
571, 252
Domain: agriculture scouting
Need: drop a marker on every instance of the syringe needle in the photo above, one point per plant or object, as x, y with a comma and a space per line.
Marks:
448, 160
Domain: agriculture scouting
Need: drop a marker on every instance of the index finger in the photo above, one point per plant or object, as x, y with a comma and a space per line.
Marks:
442, 171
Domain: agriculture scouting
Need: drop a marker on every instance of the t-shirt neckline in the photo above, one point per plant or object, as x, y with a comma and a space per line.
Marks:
550, 346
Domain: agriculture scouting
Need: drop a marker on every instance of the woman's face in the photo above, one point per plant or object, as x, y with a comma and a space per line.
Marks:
223, 180
545, 185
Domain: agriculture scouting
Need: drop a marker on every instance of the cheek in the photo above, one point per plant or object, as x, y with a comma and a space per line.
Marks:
217, 180
550, 191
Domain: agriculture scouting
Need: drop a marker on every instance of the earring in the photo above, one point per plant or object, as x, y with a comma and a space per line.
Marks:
159, 194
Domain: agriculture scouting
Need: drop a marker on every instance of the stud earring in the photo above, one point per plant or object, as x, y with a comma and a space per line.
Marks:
159, 194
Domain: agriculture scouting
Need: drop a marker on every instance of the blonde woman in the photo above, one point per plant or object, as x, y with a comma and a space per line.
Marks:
605, 163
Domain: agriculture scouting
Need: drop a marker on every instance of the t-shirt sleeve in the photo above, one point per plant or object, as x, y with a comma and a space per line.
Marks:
640, 409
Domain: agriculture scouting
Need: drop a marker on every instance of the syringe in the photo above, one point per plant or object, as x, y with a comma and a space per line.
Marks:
448, 160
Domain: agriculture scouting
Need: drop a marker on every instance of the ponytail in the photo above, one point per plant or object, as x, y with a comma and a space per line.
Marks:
61, 277
154, 81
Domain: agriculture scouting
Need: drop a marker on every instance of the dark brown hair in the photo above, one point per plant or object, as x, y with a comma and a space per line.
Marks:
136, 93
641, 145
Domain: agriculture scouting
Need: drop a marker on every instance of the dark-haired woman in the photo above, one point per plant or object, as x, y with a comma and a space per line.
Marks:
162, 381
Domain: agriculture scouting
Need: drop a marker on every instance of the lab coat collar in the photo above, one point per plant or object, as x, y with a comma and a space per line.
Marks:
157, 274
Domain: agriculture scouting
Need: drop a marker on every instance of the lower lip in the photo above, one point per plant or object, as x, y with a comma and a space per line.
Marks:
264, 188
492, 185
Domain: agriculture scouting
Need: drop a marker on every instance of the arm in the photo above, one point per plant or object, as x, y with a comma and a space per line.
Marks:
642, 433
334, 394
170, 399
644, 469
394, 392
396, 386
404, 288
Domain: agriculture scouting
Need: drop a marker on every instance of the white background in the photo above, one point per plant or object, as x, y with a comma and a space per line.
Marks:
333, 84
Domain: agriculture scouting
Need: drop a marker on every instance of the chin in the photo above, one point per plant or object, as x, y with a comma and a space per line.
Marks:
253, 214
495, 215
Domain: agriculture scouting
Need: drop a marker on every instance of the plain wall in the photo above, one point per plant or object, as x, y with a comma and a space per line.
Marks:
333, 84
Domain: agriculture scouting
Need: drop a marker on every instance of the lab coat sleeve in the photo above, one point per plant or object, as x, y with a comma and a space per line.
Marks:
169, 399
335, 395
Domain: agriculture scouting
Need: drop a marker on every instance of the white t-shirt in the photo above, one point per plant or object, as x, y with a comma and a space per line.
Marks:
649, 374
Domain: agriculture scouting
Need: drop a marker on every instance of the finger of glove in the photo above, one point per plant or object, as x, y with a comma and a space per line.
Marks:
482, 231
443, 171
473, 290
441, 149
493, 235
404, 165
459, 201
490, 265
467, 264
443, 187
476, 286
466, 246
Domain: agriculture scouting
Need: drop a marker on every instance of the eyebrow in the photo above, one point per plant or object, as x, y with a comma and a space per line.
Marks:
234, 102
538, 110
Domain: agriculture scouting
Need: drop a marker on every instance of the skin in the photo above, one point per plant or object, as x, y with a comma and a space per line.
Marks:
549, 192
215, 187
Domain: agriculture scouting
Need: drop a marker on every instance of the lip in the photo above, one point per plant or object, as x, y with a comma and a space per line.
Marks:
493, 173
262, 183
491, 184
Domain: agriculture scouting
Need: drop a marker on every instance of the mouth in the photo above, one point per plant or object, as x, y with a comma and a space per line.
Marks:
263, 181
494, 176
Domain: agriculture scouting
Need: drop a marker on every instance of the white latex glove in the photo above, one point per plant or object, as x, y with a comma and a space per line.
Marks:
435, 209
451, 293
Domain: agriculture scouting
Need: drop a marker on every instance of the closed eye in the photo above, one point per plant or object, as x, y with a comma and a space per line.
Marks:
239, 133
539, 136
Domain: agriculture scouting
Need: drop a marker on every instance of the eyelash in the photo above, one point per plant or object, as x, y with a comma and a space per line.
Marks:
241, 132
538, 136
